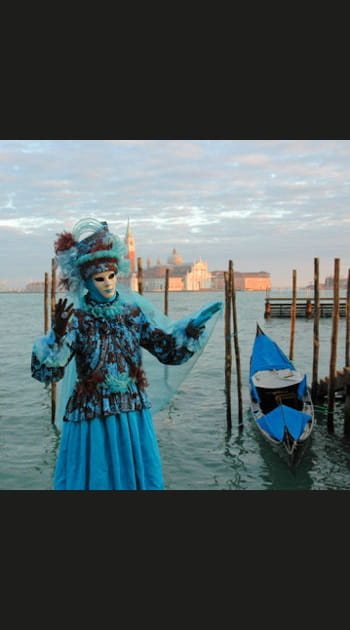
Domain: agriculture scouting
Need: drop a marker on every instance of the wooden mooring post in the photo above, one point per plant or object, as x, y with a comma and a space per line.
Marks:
46, 303
230, 306
236, 345
166, 291
334, 339
293, 316
347, 361
139, 276
316, 339
347, 323
228, 348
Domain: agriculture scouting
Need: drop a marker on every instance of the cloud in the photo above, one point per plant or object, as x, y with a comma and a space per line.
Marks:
268, 204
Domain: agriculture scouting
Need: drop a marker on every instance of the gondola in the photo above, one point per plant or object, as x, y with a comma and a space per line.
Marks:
280, 399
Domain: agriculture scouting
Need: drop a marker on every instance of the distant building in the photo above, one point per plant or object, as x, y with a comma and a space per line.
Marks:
244, 281
252, 280
190, 276
175, 258
329, 283
35, 287
182, 276
217, 280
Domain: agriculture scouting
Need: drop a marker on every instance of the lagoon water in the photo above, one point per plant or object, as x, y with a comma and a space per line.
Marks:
198, 452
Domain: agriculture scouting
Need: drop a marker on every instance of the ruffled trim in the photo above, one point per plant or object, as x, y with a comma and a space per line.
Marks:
49, 352
103, 310
86, 407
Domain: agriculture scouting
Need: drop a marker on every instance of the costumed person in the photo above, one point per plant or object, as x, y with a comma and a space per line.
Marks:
95, 350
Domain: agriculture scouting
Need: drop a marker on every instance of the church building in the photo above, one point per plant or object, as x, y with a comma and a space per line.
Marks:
186, 276
130, 243
182, 276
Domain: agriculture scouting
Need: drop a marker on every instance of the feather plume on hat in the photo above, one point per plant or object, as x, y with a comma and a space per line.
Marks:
80, 259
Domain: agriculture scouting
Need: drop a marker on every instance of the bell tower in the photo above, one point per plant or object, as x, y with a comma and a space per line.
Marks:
130, 244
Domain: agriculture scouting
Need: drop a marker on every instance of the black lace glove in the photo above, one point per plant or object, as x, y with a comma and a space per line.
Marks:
194, 331
196, 326
61, 318
207, 313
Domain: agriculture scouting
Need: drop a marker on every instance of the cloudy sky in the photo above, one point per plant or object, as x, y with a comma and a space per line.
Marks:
267, 205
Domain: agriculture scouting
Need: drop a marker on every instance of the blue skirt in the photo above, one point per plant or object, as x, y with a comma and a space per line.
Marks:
115, 453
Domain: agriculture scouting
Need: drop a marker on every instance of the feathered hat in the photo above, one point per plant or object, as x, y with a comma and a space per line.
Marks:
80, 259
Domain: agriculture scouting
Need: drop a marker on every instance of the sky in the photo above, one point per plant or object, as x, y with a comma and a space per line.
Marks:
267, 205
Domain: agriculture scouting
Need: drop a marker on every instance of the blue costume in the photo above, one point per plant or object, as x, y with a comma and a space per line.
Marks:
108, 440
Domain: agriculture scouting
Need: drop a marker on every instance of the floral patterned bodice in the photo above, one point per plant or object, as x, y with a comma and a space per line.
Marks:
106, 342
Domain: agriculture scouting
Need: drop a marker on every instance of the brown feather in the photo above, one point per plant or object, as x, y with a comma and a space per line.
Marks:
65, 241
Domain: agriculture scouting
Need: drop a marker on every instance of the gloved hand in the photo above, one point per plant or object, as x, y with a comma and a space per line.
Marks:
206, 313
194, 331
61, 318
196, 326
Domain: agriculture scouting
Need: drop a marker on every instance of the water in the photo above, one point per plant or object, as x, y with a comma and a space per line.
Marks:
198, 452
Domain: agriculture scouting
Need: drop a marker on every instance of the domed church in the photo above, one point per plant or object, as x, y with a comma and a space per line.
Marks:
182, 276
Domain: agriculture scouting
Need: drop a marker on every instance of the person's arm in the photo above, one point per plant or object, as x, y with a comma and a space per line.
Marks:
52, 352
177, 343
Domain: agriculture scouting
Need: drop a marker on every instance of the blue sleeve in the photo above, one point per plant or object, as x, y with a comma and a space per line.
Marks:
175, 344
50, 357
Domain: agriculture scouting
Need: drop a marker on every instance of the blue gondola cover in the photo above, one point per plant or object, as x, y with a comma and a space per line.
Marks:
275, 422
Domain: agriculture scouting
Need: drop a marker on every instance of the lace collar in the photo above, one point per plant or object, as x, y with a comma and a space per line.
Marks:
102, 310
